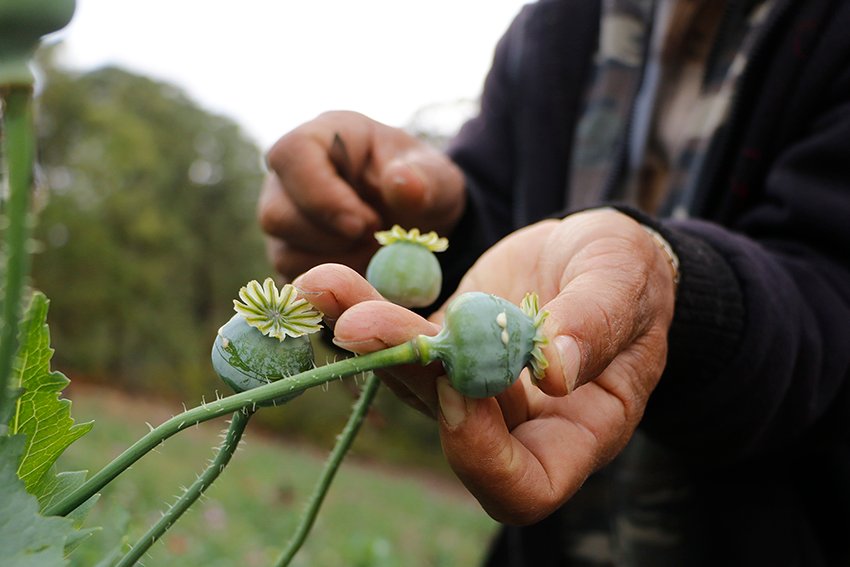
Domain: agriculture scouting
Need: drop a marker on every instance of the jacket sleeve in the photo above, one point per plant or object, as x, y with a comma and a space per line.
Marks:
759, 358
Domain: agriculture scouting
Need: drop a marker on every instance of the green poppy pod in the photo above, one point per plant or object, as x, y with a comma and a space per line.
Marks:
405, 269
485, 343
268, 338
245, 358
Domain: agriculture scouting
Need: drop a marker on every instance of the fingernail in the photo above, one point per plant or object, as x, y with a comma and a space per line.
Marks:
409, 185
359, 346
350, 225
305, 292
569, 356
452, 403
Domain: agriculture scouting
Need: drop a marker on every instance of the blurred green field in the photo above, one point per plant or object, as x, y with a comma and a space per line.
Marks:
374, 515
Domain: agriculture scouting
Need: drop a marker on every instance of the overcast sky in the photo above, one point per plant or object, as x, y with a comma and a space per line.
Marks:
272, 64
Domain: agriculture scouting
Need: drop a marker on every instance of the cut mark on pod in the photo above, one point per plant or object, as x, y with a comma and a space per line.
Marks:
505, 337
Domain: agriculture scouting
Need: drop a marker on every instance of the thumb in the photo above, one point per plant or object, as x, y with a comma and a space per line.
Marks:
405, 182
615, 300
424, 186
590, 322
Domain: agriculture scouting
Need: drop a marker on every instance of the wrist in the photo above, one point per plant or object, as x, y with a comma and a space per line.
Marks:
670, 256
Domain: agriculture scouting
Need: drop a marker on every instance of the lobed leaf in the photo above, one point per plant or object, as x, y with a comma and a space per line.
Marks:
56, 486
39, 413
27, 538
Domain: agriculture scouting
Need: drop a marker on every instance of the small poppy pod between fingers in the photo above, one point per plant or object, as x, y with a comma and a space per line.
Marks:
405, 270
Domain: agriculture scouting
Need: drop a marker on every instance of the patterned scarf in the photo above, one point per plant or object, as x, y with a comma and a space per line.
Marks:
665, 74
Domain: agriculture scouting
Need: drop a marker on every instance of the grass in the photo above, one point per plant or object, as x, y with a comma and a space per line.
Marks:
374, 515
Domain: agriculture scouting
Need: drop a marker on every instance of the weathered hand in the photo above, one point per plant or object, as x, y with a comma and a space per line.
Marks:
336, 179
610, 295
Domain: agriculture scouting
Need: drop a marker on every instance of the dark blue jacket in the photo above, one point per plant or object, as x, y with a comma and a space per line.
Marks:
755, 400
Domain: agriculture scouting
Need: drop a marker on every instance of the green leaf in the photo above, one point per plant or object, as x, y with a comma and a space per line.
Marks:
106, 547
53, 488
39, 412
27, 539
56, 486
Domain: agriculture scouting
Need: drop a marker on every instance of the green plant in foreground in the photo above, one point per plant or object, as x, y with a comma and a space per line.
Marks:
35, 425
22, 24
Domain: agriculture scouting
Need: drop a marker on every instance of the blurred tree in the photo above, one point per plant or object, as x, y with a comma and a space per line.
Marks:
147, 228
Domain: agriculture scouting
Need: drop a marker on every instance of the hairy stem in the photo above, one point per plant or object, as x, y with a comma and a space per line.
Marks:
406, 353
225, 452
19, 144
344, 442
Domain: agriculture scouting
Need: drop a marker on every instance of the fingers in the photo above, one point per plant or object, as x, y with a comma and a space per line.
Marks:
312, 182
351, 175
615, 295
519, 476
281, 216
364, 322
337, 179
521, 472
334, 288
375, 325
422, 188
610, 298
299, 243
308, 205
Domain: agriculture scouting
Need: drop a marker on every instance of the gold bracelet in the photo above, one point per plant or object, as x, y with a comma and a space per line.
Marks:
665, 247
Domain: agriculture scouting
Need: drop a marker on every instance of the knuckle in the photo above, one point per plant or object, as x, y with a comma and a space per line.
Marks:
521, 514
274, 210
335, 116
285, 153
278, 151
267, 220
